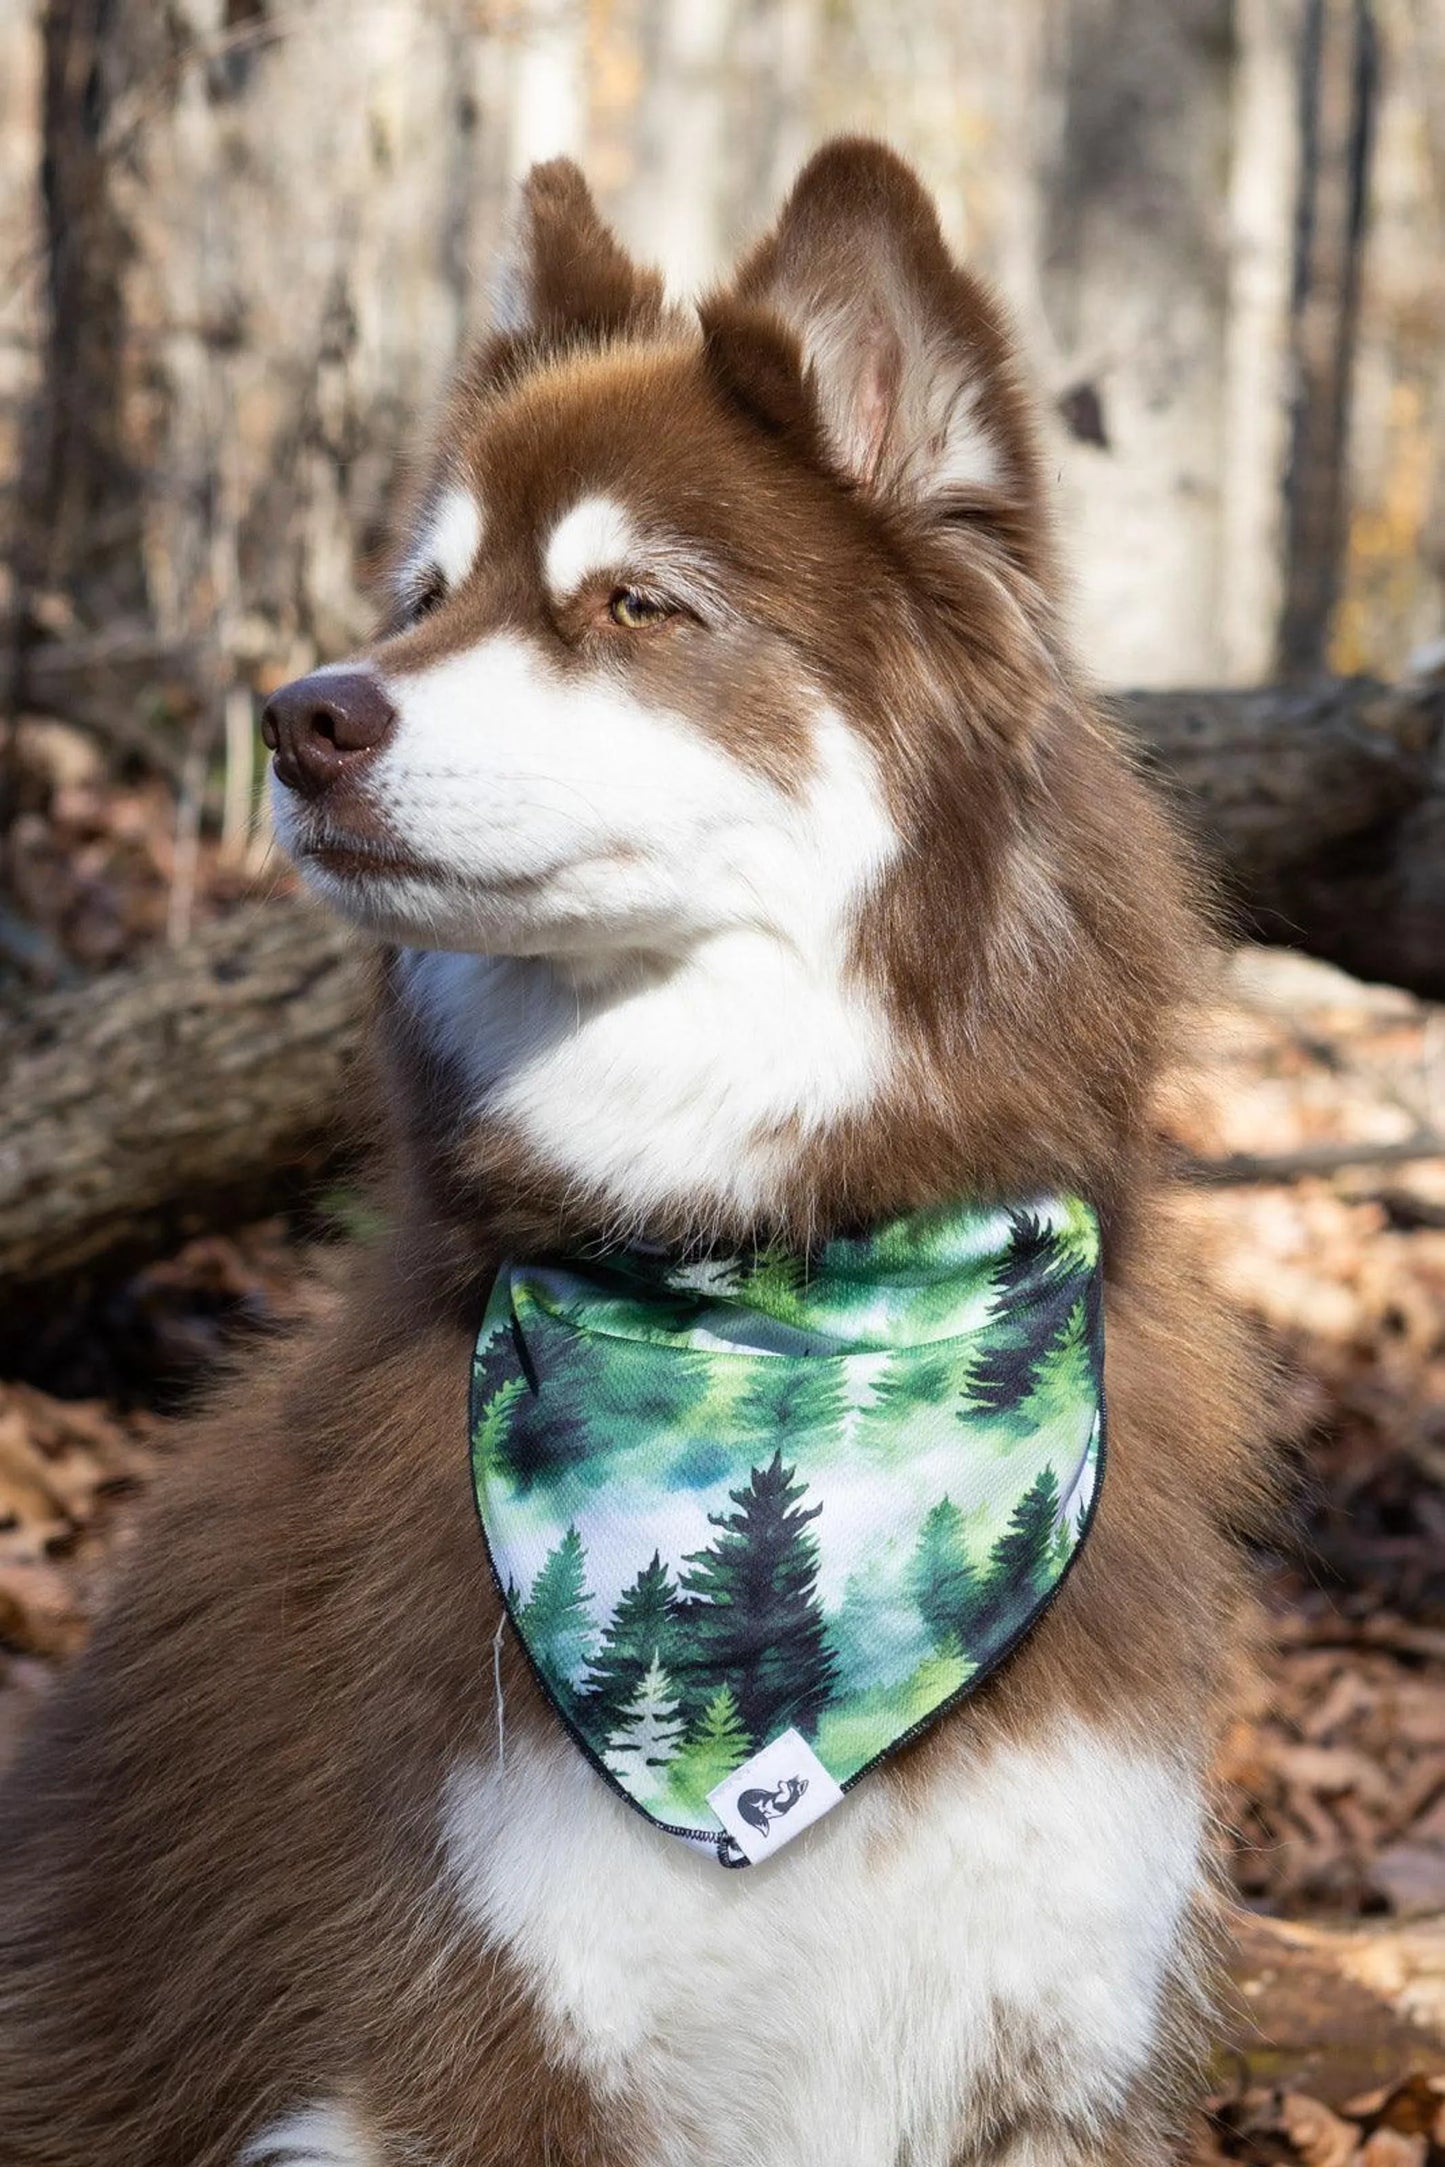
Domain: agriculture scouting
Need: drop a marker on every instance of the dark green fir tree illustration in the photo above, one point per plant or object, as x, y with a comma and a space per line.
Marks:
717, 1746
755, 1617
557, 1618
547, 1427
494, 1417
1023, 1563
1038, 1282
643, 1628
942, 1580
1065, 1379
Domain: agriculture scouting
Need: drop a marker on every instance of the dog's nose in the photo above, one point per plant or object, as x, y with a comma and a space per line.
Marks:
322, 726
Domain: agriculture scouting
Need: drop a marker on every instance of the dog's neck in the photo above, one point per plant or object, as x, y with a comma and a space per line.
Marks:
674, 1087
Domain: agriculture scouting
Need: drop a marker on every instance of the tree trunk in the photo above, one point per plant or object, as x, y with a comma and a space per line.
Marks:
1134, 286
200, 1083
1339, 68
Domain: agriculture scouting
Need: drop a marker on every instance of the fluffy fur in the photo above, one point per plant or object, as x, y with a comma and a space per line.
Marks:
750, 864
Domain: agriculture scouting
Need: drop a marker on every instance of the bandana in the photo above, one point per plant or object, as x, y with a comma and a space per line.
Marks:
758, 1523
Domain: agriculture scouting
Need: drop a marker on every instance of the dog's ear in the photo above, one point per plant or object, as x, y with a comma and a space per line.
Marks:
563, 275
852, 330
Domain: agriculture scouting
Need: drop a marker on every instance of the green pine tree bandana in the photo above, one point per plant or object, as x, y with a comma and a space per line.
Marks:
758, 1523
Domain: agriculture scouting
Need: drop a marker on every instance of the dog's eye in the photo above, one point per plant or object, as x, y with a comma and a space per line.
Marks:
628, 607
427, 595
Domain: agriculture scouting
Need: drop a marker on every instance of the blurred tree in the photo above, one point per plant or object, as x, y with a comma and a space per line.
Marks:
1338, 91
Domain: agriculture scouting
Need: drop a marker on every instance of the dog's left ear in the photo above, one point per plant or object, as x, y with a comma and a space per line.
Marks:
851, 330
563, 275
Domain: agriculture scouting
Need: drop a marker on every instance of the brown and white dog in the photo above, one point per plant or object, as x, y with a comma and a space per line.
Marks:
751, 864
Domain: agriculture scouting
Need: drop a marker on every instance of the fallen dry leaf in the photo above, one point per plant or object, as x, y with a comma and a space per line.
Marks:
1392, 2148
1412, 2106
1411, 1878
39, 1612
1320, 2137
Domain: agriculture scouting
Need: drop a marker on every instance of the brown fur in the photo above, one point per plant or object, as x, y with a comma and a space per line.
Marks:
218, 1855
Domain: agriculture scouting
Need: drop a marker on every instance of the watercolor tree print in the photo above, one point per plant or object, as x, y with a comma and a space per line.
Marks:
730, 1500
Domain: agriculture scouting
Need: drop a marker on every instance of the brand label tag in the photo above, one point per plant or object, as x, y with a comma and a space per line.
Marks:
773, 1796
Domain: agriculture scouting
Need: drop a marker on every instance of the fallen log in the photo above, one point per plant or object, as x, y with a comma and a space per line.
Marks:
1335, 2011
168, 1098
1323, 808
202, 1082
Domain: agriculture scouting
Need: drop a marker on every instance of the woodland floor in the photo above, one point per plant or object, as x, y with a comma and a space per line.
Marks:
1333, 1773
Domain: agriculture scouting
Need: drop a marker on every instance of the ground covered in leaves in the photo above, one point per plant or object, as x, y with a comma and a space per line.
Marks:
1333, 1775
1338, 1775
1398, 2125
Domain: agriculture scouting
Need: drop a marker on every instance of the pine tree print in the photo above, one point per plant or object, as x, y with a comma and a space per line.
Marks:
708, 1278
647, 1736
756, 1622
942, 1581
877, 1634
489, 1438
660, 1397
1023, 1563
1077, 1231
1035, 1289
547, 1433
642, 1629
776, 1284
557, 1618
1078, 1502
1064, 1379
655, 1439
712, 1751
901, 1387
791, 1400
494, 1362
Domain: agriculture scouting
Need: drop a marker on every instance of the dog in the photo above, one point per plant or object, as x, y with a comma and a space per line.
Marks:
747, 864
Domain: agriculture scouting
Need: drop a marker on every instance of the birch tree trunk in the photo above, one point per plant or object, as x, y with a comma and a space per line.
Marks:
1135, 280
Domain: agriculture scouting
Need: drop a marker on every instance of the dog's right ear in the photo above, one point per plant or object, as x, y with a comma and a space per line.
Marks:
564, 278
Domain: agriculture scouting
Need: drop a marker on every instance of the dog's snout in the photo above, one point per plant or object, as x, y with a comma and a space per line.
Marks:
323, 726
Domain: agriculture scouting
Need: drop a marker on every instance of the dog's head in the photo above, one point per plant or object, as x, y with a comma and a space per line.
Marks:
679, 625
723, 695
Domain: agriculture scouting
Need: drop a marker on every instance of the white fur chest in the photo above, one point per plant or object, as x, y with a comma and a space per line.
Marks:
846, 2006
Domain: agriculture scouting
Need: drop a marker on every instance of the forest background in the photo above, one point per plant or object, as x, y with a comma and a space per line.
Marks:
242, 243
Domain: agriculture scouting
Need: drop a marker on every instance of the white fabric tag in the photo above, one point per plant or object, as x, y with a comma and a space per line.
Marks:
774, 1795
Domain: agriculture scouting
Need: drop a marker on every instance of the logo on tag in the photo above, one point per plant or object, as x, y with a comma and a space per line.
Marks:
761, 1808
773, 1796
